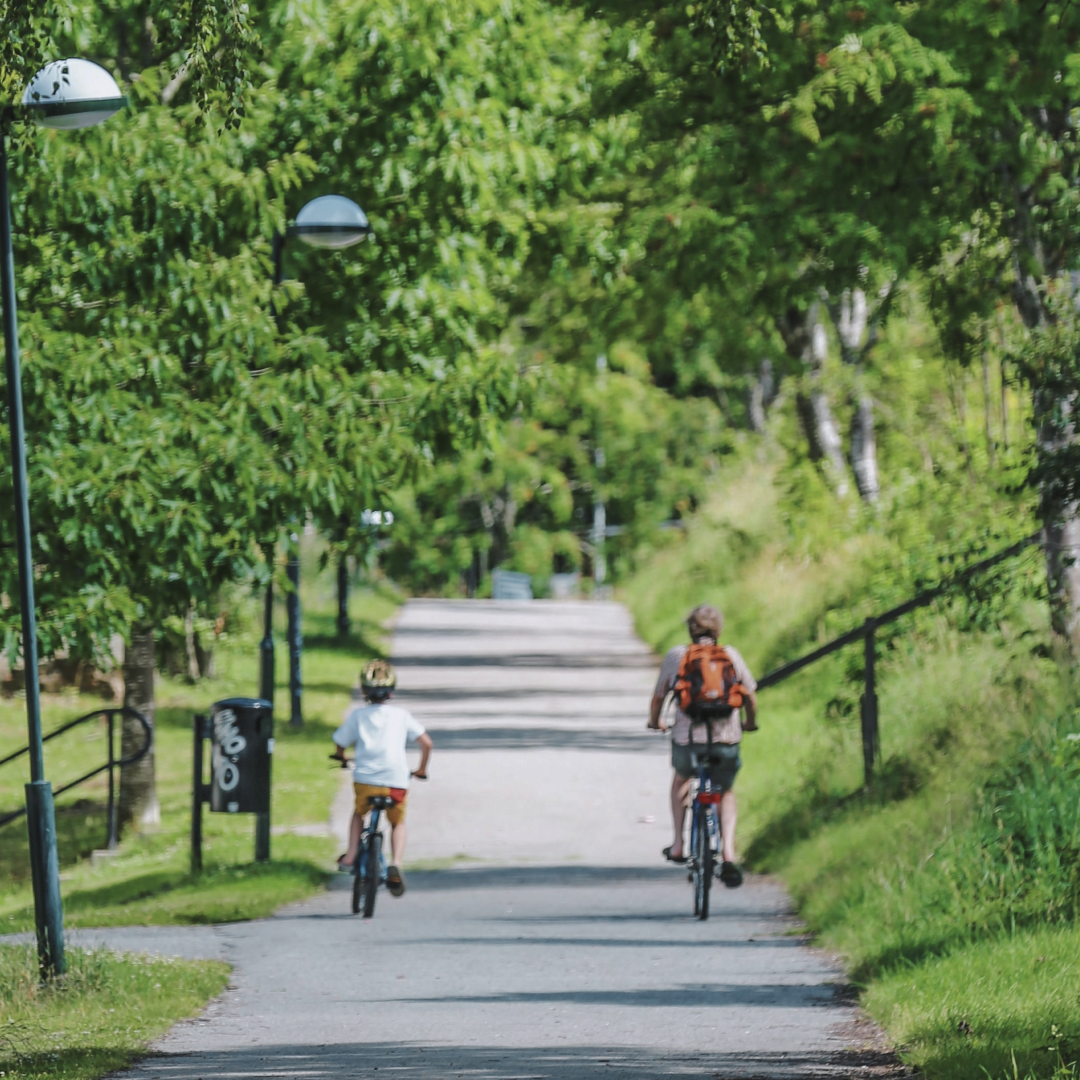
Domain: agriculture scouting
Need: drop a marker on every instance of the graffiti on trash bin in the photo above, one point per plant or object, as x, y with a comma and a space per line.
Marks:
230, 744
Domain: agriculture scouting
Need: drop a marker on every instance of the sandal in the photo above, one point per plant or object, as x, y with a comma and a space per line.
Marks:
344, 867
395, 881
730, 875
672, 858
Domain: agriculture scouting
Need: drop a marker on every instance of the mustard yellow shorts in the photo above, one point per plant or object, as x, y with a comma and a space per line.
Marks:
366, 792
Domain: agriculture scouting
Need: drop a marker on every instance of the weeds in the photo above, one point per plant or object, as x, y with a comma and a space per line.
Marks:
96, 1017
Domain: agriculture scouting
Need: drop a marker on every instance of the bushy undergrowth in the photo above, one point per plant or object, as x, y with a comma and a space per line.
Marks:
952, 884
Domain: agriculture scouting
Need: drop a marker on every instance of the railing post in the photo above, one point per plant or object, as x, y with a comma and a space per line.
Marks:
197, 795
869, 703
112, 840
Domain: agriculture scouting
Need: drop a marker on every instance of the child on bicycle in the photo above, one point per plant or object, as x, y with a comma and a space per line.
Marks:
378, 733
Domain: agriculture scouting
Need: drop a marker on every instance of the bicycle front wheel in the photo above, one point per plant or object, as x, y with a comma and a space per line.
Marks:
703, 866
357, 887
371, 878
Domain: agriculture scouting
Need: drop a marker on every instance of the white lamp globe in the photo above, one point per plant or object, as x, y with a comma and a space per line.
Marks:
331, 221
73, 93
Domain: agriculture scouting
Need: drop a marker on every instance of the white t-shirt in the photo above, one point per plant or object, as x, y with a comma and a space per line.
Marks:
378, 734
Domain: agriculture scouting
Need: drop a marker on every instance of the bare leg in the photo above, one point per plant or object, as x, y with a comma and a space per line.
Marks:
354, 839
728, 816
680, 794
397, 842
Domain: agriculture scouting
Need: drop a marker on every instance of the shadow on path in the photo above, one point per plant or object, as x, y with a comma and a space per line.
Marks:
407, 1060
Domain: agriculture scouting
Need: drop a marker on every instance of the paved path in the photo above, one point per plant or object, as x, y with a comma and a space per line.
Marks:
568, 952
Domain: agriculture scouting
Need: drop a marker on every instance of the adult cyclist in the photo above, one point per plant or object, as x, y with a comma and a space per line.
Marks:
705, 624
378, 733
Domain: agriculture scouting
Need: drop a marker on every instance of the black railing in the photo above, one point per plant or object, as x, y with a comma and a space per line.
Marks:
111, 764
866, 632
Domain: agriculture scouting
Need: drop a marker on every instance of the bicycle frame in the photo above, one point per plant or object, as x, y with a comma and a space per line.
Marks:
703, 813
365, 843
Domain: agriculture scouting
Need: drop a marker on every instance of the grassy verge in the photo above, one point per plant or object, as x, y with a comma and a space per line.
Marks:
952, 887
99, 1016
149, 881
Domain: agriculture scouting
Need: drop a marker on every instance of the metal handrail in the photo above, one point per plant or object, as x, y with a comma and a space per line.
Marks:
112, 763
866, 632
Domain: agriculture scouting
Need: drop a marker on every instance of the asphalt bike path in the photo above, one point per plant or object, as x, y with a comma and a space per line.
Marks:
541, 935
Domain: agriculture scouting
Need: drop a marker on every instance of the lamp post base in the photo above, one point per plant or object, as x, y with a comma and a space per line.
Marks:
45, 874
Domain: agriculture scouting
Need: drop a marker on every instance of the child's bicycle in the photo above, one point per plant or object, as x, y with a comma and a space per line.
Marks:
369, 868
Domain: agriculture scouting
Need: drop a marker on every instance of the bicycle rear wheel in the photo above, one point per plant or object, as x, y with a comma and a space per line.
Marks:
371, 878
703, 865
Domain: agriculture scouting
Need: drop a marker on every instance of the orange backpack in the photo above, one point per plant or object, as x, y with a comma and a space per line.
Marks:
708, 687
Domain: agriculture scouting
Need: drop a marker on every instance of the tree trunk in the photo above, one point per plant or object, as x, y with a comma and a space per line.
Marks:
988, 408
189, 645
762, 395
1004, 407
344, 625
138, 803
805, 339
1061, 543
850, 317
864, 450
1055, 428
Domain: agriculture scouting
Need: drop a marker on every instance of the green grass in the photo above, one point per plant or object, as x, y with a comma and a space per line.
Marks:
952, 887
1012, 998
100, 1015
149, 881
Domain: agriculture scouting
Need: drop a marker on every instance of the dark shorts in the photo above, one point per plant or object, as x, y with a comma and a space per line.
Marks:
723, 766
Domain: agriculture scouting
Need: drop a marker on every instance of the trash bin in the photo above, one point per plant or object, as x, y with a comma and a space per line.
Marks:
242, 742
510, 585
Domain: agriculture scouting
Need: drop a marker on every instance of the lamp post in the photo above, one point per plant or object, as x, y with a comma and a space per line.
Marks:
65, 94
330, 221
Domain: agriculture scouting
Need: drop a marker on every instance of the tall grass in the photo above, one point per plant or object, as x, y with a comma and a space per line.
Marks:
952, 886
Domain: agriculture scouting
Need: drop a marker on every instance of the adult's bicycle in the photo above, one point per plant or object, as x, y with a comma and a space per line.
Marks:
704, 827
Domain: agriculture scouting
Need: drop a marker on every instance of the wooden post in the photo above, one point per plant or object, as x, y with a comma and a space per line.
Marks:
869, 704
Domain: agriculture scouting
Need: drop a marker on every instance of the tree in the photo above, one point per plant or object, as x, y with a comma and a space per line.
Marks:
971, 111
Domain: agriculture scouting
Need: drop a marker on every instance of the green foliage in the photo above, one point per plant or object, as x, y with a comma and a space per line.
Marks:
174, 427
526, 500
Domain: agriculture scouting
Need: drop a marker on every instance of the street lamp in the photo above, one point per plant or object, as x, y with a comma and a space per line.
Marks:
65, 94
330, 221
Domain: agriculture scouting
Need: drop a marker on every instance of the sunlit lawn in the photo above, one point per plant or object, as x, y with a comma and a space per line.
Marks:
149, 881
